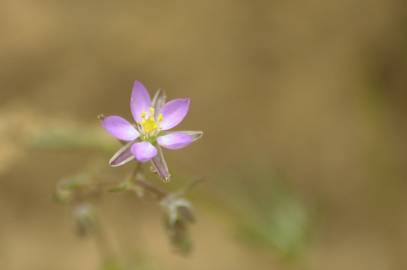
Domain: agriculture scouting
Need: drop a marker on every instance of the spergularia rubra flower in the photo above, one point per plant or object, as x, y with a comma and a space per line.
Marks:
144, 139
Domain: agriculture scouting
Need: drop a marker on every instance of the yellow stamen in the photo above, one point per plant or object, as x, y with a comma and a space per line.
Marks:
150, 125
160, 118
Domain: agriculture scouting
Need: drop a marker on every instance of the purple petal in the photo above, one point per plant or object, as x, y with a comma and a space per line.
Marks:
122, 156
143, 151
160, 165
174, 112
119, 128
178, 139
140, 101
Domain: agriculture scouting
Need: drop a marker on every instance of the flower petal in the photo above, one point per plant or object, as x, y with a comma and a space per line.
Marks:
140, 101
174, 112
143, 151
178, 139
158, 101
161, 166
119, 128
122, 156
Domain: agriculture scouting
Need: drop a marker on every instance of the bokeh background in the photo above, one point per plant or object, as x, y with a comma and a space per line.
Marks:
303, 106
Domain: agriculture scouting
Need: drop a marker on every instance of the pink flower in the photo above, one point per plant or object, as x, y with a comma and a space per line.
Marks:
149, 133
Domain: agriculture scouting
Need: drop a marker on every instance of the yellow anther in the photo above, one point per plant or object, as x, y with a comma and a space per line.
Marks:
149, 123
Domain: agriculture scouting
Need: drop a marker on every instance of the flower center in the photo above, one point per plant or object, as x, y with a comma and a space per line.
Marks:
149, 124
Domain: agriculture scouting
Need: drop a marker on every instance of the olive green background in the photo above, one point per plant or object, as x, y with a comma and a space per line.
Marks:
303, 105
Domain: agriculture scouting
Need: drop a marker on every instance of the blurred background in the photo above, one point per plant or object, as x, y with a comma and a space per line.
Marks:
303, 106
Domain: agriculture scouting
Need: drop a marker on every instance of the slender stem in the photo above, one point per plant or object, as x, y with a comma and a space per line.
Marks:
138, 178
190, 186
93, 225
